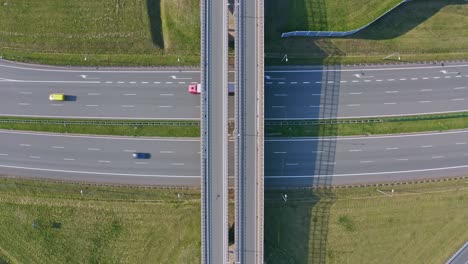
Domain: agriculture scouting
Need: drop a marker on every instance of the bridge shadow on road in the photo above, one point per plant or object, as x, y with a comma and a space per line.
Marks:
297, 209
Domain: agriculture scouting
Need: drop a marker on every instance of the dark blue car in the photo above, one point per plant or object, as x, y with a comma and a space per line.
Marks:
141, 155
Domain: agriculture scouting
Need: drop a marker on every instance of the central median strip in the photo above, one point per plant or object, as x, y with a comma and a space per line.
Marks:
278, 128
160, 128
353, 127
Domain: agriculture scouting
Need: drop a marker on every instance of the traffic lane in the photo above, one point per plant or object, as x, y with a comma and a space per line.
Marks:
22, 71
102, 159
358, 100
346, 160
102, 100
367, 72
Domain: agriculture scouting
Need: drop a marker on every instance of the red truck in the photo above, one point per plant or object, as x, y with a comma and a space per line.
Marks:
196, 88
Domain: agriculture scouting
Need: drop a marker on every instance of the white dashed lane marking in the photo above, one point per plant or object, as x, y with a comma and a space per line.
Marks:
279, 152
437, 157
427, 146
425, 90
58, 147
165, 106
129, 94
394, 148
366, 161
166, 94
128, 106
92, 105
459, 88
25, 145
3, 154
423, 102
392, 103
93, 149
24, 104
104, 161
25, 92
34, 157
292, 164
94, 94
68, 159
166, 151
458, 99
177, 164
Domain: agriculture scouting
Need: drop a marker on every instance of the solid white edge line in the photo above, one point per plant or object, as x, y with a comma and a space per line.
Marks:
96, 136
98, 173
367, 137
367, 173
372, 69
107, 117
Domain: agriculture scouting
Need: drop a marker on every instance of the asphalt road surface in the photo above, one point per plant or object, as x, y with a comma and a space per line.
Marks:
352, 160
347, 92
101, 159
290, 162
290, 93
109, 93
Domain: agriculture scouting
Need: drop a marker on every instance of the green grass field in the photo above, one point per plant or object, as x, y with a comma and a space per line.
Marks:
420, 30
106, 32
52, 223
423, 223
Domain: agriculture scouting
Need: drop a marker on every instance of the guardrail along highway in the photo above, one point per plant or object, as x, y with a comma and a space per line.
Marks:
249, 130
214, 133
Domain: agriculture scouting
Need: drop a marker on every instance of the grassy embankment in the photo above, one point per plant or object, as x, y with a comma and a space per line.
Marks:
49, 223
423, 223
106, 32
389, 126
44, 222
420, 30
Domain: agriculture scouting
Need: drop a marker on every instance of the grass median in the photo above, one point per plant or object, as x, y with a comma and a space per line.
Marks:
45, 222
409, 124
421, 223
165, 130
421, 30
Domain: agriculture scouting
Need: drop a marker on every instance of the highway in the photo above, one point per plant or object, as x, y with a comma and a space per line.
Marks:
174, 161
300, 93
214, 132
353, 160
290, 93
109, 93
249, 131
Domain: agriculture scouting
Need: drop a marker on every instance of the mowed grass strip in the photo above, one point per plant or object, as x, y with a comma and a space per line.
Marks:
100, 129
107, 32
352, 129
422, 223
422, 30
45, 222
